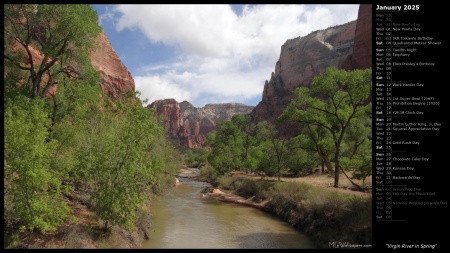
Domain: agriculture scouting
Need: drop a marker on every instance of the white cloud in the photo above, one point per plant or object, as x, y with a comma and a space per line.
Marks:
160, 87
224, 57
208, 87
107, 16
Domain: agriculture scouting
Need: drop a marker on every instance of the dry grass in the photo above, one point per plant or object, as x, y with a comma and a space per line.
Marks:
319, 180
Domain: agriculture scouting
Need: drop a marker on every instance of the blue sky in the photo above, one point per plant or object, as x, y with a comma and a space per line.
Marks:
209, 53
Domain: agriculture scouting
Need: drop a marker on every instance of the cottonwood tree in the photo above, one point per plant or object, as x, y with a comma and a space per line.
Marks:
357, 152
301, 160
32, 190
122, 156
274, 148
226, 145
336, 99
247, 133
49, 41
316, 139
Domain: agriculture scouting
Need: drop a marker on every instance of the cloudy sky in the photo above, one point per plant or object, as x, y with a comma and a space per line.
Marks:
209, 53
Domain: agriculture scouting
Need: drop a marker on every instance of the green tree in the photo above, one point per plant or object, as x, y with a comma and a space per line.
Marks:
196, 157
335, 100
190, 157
32, 190
299, 160
75, 103
247, 131
357, 152
226, 145
275, 148
122, 151
64, 34
316, 139
234, 145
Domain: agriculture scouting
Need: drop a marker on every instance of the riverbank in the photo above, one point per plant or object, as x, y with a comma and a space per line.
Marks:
85, 230
318, 214
325, 213
233, 198
320, 180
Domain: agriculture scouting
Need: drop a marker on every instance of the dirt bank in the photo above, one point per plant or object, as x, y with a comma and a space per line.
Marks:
233, 198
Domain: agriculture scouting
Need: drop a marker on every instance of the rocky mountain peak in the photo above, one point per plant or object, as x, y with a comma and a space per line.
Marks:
347, 46
189, 125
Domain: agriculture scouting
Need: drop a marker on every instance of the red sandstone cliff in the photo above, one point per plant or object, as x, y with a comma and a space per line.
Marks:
115, 78
169, 110
188, 125
362, 50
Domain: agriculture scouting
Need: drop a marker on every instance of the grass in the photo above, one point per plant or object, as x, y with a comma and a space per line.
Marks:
326, 216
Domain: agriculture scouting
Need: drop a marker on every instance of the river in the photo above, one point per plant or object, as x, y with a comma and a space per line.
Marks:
183, 219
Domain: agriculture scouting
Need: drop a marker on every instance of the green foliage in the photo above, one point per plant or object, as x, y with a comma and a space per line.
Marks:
315, 139
196, 157
300, 161
334, 102
274, 147
226, 182
64, 34
190, 157
115, 151
260, 189
209, 174
226, 144
357, 151
75, 103
255, 155
12, 77
122, 156
268, 162
32, 191
233, 145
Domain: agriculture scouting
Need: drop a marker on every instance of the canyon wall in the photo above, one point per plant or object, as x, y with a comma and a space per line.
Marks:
347, 46
188, 125
116, 80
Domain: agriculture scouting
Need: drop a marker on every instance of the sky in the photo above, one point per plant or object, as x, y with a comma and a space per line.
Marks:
208, 54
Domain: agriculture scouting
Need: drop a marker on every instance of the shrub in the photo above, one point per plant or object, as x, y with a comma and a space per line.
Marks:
209, 174
226, 182
325, 216
258, 188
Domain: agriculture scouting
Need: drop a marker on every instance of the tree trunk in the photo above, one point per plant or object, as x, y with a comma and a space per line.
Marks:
327, 162
337, 169
106, 226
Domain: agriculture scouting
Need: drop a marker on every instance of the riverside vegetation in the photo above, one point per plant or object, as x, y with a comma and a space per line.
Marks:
83, 168
75, 146
326, 216
334, 115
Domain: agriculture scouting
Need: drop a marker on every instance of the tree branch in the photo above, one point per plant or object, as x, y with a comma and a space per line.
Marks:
6, 56
351, 181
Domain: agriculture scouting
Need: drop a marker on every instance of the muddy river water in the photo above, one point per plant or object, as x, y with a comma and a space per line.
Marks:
183, 219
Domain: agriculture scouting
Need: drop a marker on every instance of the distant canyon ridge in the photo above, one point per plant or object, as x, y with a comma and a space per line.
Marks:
347, 46
189, 126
